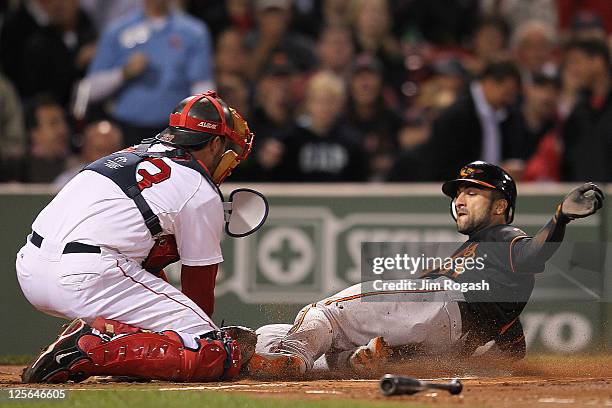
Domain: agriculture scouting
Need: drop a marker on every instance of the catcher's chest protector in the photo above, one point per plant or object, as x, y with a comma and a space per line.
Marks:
121, 168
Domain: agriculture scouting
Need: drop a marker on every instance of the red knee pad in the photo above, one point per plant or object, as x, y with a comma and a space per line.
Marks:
159, 356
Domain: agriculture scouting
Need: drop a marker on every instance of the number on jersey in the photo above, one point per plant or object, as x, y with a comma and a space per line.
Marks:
149, 179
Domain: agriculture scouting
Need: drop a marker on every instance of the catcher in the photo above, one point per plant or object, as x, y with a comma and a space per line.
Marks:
96, 252
358, 333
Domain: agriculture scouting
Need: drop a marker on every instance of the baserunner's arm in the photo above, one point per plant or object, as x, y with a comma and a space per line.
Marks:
579, 203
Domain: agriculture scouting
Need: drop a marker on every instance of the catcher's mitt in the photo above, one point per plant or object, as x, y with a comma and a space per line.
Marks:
247, 338
163, 253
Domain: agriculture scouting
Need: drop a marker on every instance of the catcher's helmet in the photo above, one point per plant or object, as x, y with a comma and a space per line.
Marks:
199, 118
486, 175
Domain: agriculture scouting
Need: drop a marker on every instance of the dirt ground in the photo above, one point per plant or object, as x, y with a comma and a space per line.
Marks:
537, 382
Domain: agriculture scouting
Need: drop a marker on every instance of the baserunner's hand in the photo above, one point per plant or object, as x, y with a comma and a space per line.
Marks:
581, 202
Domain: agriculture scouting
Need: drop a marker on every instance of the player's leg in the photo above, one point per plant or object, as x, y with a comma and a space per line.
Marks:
81, 351
268, 363
111, 286
401, 317
138, 298
310, 336
295, 352
317, 329
429, 321
269, 336
116, 288
38, 274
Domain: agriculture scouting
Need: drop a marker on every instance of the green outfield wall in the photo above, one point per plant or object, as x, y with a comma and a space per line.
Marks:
310, 248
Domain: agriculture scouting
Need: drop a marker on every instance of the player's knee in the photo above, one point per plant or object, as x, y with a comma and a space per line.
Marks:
317, 323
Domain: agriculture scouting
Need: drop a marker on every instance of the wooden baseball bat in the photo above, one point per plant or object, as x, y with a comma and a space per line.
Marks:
399, 385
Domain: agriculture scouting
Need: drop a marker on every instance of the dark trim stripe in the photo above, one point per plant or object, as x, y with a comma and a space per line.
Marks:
507, 326
511, 245
382, 292
297, 325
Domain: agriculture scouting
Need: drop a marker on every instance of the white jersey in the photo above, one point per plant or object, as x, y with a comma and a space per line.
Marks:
92, 209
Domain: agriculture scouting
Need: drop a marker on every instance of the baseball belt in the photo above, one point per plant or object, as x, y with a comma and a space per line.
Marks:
70, 248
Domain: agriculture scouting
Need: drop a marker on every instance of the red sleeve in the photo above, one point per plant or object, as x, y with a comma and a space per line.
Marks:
198, 284
545, 163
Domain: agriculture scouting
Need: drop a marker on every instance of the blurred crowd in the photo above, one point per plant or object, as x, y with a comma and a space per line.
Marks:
335, 90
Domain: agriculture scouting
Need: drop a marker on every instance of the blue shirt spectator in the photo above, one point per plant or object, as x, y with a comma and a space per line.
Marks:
148, 62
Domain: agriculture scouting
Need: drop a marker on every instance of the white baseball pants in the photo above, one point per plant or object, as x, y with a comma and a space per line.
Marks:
352, 317
109, 285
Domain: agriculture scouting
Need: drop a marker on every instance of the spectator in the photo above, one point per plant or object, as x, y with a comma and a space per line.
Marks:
373, 35
274, 107
441, 23
545, 163
517, 12
438, 92
220, 16
570, 87
479, 125
99, 139
234, 90
49, 141
413, 135
106, 12
335, 50
15, 33
587, 134
336, 12
272, 122
568, 9
375, 124
311, 17
533, 44
231, 54
321, 148
272, 35
588, 24
539, 122
55, 54
538, 112
146, 63
489, 43
12, 132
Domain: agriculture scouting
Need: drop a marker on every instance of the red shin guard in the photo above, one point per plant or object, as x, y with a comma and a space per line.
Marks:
158, 356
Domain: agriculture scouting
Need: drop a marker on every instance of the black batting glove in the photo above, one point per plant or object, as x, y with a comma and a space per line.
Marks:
580, 202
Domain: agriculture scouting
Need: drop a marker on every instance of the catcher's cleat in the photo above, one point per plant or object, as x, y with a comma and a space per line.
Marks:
53, 364
275, 365
371, 358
